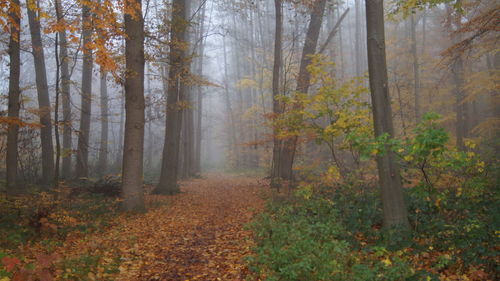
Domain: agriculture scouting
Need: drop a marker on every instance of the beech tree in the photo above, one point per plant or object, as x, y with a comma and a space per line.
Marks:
275, 172
133, 148
67, 144
43, 93
14, 93
82, 155
303, 82
394, 208
175, 95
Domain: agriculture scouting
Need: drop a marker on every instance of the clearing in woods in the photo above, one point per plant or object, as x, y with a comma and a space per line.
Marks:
198, 235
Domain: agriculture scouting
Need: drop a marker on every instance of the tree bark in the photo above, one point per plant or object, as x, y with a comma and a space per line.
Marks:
416, 71
66, 103
82, 156
176, 87
357, 38
43, 96
14, 94
199, 102
275, 167
132, 171
103, 150
303, 83
229, 108
394, 208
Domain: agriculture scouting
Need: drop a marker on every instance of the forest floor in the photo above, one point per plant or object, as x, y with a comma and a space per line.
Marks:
199, 235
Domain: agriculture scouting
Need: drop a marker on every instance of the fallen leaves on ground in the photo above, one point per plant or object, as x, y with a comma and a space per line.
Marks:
197, 235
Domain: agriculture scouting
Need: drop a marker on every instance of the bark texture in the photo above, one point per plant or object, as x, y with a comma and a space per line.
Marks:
132, 170
14, 94
176, 88
303, 83
43, 96
67, 143
82, 156
103, 150
275, 172
394, 208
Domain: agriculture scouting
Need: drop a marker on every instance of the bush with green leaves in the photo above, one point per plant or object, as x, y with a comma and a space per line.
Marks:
305, 239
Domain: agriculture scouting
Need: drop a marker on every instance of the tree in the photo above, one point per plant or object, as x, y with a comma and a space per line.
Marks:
276, 85
82, 156
416, 71
103, 150
133, 149
66, 101
176, 88
303, 82
43, 94
394, 208
14, 93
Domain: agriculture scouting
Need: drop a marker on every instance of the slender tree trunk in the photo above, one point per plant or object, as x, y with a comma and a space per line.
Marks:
394, 208
119, 156
66, 103
303, 83
82, 156
357, 38
199, 101
457, 69
416, 71
103, 150
14, 94
43, 96
58, 94
133, 149
232, 122
275, 167
178, 68
149, 121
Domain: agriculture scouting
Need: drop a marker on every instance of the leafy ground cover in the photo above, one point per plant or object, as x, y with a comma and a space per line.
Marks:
335, 233
196, 235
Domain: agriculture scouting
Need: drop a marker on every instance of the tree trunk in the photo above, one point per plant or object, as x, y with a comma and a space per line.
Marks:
232, 122
14, 93
457, 69
178, 68
119, 155
394, 208
357, 37
43, 97
275, 167
66, 104
303, 83
416, 71
133, 148
82, 156
199, 101
103, 150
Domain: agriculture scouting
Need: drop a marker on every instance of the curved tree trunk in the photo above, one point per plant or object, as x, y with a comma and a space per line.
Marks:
303, 82
43, 96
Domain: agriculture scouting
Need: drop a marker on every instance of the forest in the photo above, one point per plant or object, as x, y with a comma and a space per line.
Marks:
274, 140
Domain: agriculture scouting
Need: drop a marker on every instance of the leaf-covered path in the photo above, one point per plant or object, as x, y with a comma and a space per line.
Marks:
198, 235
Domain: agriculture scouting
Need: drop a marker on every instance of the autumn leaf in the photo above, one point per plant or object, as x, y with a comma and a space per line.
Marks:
10, 263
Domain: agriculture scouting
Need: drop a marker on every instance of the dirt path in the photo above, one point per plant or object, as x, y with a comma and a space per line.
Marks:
198, 235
